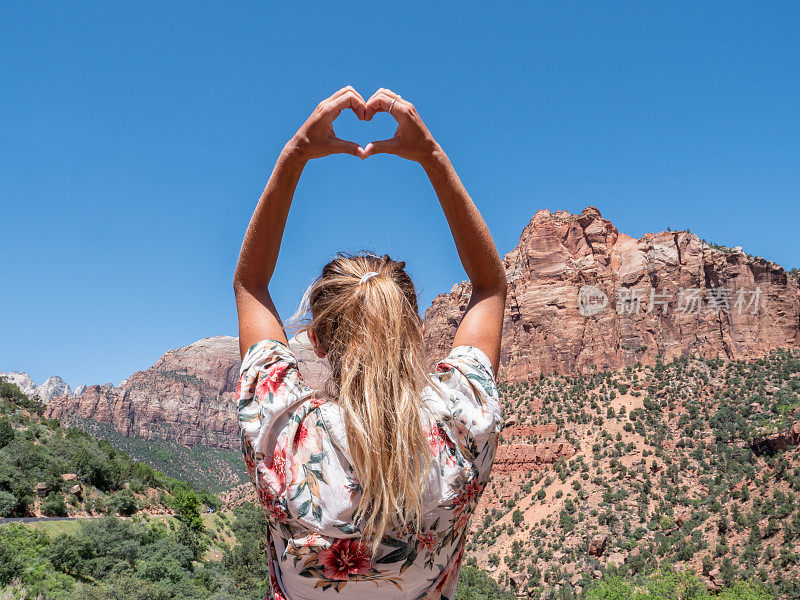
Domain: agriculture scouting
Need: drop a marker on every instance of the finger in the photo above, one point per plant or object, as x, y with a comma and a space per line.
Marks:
321, 107
390, 146
390, 93
386, 92
340, 146
380, 102
349, 99
344, 90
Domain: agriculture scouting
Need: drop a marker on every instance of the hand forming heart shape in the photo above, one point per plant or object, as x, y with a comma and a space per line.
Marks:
316, 137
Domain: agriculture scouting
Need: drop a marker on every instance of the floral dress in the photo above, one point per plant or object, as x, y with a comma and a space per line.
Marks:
296, 453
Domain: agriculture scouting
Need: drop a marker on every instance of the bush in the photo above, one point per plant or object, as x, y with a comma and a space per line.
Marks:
54, 506
668, 585
10, 565
474, 584
8, 504
6, 432
124, 503
186, 504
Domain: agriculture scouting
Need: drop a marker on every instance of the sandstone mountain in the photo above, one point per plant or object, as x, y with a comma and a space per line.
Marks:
53, 387
187, 396
584, 297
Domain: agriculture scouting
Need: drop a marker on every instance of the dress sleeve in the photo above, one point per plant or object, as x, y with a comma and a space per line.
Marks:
270, 388
473, 405
298, 474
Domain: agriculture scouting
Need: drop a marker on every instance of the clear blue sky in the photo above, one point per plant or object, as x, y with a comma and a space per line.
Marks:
136, 139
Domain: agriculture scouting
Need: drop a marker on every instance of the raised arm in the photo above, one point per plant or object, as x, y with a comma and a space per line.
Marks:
258, 318
482, 323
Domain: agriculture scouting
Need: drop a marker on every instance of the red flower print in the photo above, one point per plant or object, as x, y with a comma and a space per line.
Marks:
461, 520
473, 489
249, 463
460, 502
271, 383
436, 440
450, 571
427, 541
345, 557
277, 512
301, 437
282, 472
317, 402
239, 388
265, 497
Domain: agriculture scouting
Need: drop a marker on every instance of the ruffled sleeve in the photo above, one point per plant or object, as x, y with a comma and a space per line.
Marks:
473, 412
270, 387
299, 474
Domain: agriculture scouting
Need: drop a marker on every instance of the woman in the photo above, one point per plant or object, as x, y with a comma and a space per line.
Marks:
368, 485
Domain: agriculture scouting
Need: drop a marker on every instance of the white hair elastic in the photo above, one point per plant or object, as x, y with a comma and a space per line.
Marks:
367, 276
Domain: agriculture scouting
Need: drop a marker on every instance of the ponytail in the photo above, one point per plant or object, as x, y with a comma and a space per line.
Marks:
365, 317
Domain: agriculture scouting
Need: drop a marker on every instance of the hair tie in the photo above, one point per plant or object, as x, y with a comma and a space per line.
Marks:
367, 276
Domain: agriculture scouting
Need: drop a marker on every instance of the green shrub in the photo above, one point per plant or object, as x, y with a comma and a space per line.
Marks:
54, 506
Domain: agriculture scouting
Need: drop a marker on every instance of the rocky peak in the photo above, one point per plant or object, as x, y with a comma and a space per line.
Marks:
22, 380
53, 387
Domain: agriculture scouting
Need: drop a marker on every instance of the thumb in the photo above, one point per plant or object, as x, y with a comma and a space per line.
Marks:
339, 146
381, 147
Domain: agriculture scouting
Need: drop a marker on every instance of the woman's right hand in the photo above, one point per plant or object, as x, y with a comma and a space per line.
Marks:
316, 137
412, 140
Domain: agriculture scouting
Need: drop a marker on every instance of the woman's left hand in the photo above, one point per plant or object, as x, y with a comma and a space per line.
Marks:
316, 137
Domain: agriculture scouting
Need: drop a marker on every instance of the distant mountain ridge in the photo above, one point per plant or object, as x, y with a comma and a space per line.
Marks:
187, 396
53, 387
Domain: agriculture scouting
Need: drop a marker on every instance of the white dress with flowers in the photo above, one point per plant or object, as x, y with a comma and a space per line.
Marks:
296, 453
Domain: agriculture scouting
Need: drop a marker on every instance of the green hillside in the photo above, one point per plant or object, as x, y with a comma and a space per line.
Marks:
46, 470
201, 466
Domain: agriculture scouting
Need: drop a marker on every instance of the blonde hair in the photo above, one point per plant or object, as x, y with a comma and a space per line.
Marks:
371, 332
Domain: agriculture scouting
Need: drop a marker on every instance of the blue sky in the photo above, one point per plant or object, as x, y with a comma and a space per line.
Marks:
135, 141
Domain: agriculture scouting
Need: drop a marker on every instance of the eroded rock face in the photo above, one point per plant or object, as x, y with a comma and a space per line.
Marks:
22, 380
559, 255
530, 457
777, 442
188, 396
53, 387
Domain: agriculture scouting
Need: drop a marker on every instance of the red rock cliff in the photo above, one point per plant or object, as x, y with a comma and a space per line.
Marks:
562, 259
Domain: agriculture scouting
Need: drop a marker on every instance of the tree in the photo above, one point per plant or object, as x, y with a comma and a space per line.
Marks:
475, 584
186, 504
124, 502
53, 506
69, 553
516, 517
8, 504
6, 432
